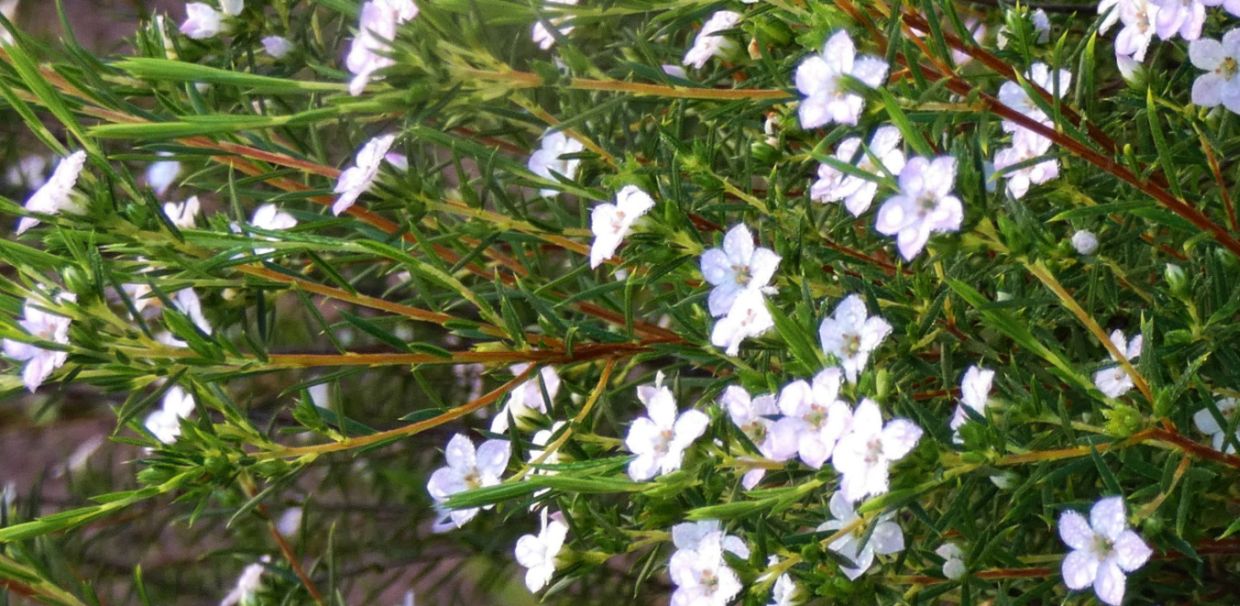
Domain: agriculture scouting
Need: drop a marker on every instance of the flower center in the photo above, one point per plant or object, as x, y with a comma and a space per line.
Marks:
852, 344
1102, 546
874, 451
617, 223
1228, 68
817, 414
473, 480
742, 275
927, 202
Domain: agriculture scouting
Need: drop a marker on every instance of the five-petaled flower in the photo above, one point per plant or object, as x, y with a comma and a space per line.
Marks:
376, 29
974, 392
925, 205
865, 454
775, 439
1103, 549
1220, 85
56, 194
886, 539
833, 185
821, 418
468, 469
610, 223
1114, 381
537, 552
547, 162
701, 575
357, 179
820, 78
736, 267
659, 439
748, 317
709, 42
44, 326
851, 334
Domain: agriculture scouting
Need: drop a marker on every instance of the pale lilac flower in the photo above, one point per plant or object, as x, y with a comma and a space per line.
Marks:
659, 439
1113, 380
709, 43
1206, 423
546, 162
748, 317
56, 195
851, 334
785, 591
1013, 95
953, 561
232, 8
701, 576
28, 172
1019, 180
248, 585
675, 71
44, 326
886, 539
161, 175
376, 28
1220, 85
182, 214
689, 535
736, 267
857, 193
537, 552
165, 422
202, 21
527, 398
468, 469
823, 417
865, 454
186, 301
1180, 17
611, 222
1103, 549
290, 521
974, 392
1139, 18
542, 36
821, 79
1085, 242
277, 46
925, 205
270, 217
775, 439
357, 179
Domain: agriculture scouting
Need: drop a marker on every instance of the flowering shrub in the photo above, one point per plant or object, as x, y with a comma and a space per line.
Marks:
587, 301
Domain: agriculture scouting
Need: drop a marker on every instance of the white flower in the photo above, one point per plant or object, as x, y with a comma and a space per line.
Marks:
542, 36
270, 217
468, 469
1019, 180
527, 397
865, 454
821, 79
1103, 549
1139, 18
55, 195
850, 334
357, 179
546, 162
1183, 17
953, 561
689, 535
248, 584
1013, 95
277, 46
736, 267
701, 576
186, 301
974, 391
775, 439
611, 222
201, 21
539, 442
165, 422
924, 205
1112, 380
1085, 242
1208, 424
748, 317
857, 193
45, 326
886, 539
182, 214
537, 552
823, 416
28, 172
376, 28
709, 43
160, 175
232, 8
290, 521
659, 439
784, 593
1220, 85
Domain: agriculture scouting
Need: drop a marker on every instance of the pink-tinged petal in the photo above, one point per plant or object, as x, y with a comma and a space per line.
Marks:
1131, 552
716, 267
870, 70
1109, 584
887, 538
1080, 569
1075, 531
459, 453
493, 457
738, 245
1206, 54
899, 437
839, 52
1107, 517
689, 427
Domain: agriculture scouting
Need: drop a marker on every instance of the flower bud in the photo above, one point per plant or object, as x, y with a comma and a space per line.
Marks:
1176, 279
1085, 242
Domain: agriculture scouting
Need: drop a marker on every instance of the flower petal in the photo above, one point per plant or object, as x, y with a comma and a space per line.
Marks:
1075, 530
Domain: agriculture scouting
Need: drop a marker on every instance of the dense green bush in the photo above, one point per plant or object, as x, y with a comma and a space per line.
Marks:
885, 302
